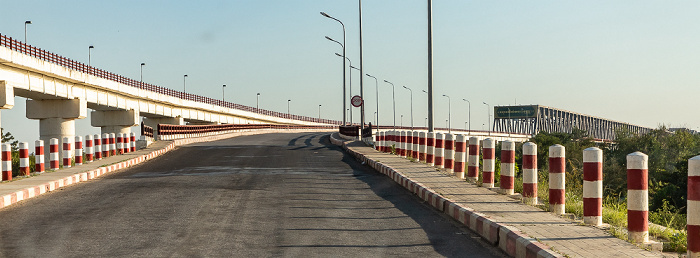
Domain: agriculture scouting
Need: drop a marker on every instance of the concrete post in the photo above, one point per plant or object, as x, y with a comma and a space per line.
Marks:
377, 140
439, 150
98, 147
693, 210
39, 156
126, 141
53, 154
78, 150
460, 155
508, 168
449, 152
409, 144
638, 197
430, 149
89, 149
56, 117
557, 179
6, 162
593, 186
401, 147
105, 145
489, 160
422, 145
24, 159
530, 173
132, 140
120, 143
382, 141
416, 145
67, 152
112, 144
473, 167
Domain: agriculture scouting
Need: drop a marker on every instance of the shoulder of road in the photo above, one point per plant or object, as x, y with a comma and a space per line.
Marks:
518, 229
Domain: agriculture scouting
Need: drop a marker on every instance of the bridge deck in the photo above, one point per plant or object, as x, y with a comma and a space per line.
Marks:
562, 235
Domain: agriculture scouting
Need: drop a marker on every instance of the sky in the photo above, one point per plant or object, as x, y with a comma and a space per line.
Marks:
630, 61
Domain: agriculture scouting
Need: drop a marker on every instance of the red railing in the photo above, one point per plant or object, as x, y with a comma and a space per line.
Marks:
41, 54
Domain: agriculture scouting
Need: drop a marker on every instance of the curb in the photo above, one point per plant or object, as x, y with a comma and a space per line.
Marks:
514, 242
34, 191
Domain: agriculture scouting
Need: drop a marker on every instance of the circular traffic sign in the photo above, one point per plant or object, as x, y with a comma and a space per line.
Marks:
356, 101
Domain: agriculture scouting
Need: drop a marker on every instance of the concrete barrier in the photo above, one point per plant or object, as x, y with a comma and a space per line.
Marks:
638, 197
489, 160
557, 179
39, 156
24, 159
78, 150
97, 141
473, 167
67, 152
530, 173
6, 162
460, 155
439, 150
593, 186
508, 168
53, 154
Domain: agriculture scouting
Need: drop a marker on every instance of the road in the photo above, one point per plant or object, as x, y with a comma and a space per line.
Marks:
251, 196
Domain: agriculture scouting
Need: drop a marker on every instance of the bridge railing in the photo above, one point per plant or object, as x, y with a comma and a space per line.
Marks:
172, 132
47, 56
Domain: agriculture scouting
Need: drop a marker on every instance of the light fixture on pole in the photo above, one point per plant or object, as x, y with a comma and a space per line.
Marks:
289, 100
223, 93
411, 105
469, 120
393, 97
90, 55
142, 64
184, 83
349, 84
488, 110
25, 31
449, 113
319, 112
257, 101
343, 44
376, 87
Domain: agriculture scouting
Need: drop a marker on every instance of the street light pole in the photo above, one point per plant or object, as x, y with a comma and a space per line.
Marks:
349, 85
469, 120
488, 110
411, 105
223, 93
184, 83
257, 101
449, 113
344, 97
376, 87
431, 127
362, 91
142, 64
25, 31
90, 55
319, 112
289, 100
363, 100
393, 94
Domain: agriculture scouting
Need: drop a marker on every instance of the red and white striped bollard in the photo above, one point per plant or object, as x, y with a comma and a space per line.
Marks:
422, 146
460, 155
24, 159
693, 210
39, 156
557, 179
530, 173
439, 150
54, 158
430, 149
113, 144
97, 141
78, 150
132, 140
508, 167
416, 146
473, 167
67, 152
89, 149
449, 152
593, 186
6, 162
638, 197
489, 160
105, 145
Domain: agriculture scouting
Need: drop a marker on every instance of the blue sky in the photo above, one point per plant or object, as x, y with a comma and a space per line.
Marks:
631, 61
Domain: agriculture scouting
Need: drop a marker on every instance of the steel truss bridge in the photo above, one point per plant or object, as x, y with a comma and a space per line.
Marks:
532, 119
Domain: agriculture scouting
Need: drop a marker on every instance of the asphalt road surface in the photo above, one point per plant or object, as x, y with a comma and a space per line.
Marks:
272, 195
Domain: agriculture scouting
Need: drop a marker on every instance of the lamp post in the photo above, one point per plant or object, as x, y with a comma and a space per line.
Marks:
25, 31
319, 112
362, 91
401, 120
430, 66
184, 83
142, 64
376, 120
289, 100
376, 87
343, 25
349, 84
411, 91
257, 101
469, 120
90, 55
223, 93
488, 110
449, 113
393, 94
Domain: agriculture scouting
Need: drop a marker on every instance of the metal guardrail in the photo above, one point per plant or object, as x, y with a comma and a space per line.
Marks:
47, 56
184, 130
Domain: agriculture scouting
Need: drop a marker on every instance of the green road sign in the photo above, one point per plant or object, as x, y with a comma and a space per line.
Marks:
514, 112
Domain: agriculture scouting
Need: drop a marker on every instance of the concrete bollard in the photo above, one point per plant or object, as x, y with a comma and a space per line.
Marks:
402, 143
430, 149
97, 141
489, 160
422, 146
126, 143
24, 159
473, 167
67, 152
416, 145
39, 156
78, 150
105, 145
530, 173
392, 141
638, 197
693, 210
439, 150
54, 160
593, 186
6, 162
112, 144
409, 144
120, 143
89, 149
508, 168
557, 179
377, 138
449, 152
460, 155
132, 140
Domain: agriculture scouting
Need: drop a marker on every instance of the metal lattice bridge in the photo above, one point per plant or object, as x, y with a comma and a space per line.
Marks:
533, 119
